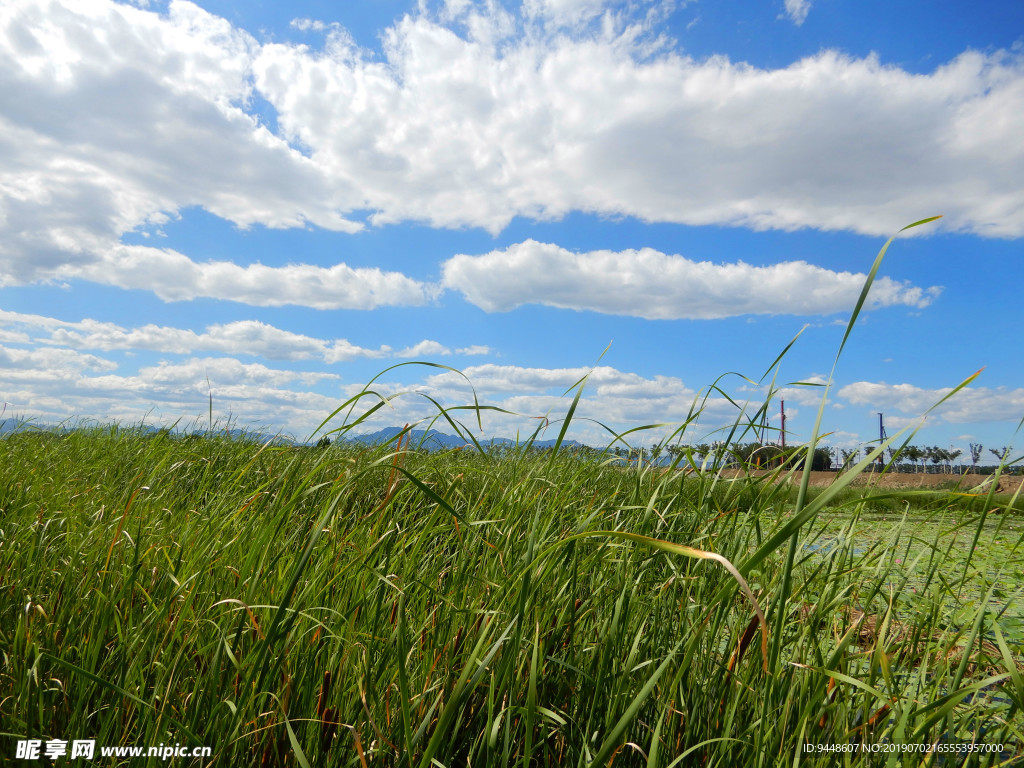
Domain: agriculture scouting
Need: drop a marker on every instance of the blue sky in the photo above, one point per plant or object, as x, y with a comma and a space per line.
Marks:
271, 203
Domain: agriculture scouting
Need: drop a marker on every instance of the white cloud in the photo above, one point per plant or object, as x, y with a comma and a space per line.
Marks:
174, 277
648, 283
896, 423
808, 392
55, 380
49, 363
116, 119
514, 378
970, 405
341, 350
843, 438
54, 384
544, 125
13, 337
242, 337
312, 25
797, 10
201, 373
425, 348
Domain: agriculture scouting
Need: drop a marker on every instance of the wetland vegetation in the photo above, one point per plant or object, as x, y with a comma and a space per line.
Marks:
345, 604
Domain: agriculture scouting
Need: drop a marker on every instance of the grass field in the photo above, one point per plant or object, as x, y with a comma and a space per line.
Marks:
343, 606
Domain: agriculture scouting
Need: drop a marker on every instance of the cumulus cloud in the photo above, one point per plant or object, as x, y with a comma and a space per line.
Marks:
650, 284
175, 277
425, 348
49, 363
842, 437
970, 405
201, 373
242, 337
116, 119
430, 348
54, 384
541, 126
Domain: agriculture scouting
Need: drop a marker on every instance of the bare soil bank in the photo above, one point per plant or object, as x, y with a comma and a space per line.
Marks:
903, 480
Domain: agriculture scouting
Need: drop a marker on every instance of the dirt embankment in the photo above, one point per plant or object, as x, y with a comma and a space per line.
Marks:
904, 480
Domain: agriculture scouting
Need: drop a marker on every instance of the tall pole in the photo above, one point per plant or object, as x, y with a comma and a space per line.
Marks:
881, 438
782, 412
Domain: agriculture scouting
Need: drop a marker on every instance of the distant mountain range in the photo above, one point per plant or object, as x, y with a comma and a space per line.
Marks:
439, 441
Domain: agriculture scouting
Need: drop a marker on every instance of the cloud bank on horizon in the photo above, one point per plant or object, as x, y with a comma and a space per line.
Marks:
514, 139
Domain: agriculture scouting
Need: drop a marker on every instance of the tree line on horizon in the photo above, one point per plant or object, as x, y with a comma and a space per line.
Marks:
754, 455
766, 455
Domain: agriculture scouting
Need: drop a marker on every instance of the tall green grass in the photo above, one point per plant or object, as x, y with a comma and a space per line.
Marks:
303, 606
389, 606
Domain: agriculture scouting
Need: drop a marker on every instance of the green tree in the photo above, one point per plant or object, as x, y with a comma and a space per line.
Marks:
951, 456
638, 454
975, 455
914, 454
821, 461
